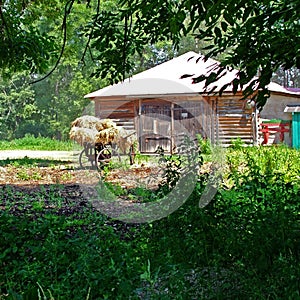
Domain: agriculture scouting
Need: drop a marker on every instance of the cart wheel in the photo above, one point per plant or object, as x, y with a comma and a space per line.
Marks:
131, 155
106, 155
86, 161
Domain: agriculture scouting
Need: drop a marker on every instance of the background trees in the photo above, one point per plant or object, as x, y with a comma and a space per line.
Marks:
17, 105
57, 99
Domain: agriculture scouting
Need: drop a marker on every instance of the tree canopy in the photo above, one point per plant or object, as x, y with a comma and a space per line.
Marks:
256, 35
113, 39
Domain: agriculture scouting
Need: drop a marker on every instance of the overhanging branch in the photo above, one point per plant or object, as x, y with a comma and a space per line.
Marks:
68, 8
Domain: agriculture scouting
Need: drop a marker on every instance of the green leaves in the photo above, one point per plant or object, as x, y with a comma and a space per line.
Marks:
245, 242
224, 26
23, 46
254, 35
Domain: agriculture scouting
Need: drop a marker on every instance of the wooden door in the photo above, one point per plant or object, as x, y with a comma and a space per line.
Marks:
155, 126
296, 130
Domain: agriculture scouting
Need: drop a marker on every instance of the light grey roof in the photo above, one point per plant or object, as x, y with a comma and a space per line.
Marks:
166, 79
290, 108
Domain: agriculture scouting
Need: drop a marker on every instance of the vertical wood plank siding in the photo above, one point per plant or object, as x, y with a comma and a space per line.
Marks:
160, 122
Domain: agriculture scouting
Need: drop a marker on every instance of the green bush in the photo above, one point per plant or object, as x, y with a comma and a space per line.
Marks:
204, 145
33, 129
243, 245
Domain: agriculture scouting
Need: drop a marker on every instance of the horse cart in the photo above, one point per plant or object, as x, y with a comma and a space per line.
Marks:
103, 141
99, 155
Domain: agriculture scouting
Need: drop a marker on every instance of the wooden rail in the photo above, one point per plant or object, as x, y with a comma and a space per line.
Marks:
267, 128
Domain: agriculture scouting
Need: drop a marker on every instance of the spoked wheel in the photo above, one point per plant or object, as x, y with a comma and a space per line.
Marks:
131, 155
106, 155
87, 158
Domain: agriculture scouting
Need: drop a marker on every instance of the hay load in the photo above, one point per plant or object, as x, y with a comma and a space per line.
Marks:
83, 135
107, 135
106, 124
92, 122
89, 129
89, 122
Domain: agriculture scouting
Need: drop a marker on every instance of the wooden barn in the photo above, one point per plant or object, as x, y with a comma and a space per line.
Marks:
162, 106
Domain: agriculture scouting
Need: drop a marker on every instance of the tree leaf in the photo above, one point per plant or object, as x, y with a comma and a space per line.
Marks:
186, 76
218, 32
224, 26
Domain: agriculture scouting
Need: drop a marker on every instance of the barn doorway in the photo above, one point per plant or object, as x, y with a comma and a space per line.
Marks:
155, 126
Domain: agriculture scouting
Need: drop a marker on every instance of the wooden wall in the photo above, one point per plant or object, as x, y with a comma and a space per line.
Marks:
196, 115
122, 112
234, 120
164, 121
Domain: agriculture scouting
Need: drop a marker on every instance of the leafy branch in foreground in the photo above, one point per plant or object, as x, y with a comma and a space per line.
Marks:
256, 37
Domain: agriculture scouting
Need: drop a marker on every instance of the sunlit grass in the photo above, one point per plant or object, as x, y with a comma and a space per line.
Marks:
30, 142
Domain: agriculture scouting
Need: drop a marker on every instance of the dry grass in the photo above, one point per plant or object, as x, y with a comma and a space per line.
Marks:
83, 135
107, 135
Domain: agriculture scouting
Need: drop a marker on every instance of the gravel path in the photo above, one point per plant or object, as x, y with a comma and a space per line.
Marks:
55, 155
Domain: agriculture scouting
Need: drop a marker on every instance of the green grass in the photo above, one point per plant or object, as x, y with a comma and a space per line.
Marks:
30, 142
243, 245
27, 162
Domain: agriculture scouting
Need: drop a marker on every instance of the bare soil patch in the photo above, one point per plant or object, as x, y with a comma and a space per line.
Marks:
67, 174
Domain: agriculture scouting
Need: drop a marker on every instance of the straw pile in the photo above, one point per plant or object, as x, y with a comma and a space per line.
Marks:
107, 135
82, 135
89, 122
106, 124
89, 129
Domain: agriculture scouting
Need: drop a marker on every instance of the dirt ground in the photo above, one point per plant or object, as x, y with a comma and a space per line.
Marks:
68, 174
61, 168
47, 170
78, 187
56, 155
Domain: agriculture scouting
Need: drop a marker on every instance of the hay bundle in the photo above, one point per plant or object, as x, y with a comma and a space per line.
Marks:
105, 124
83, 135
89, 122
107, 135
89, 129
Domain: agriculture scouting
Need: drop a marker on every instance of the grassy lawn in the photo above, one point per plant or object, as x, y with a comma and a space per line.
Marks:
40, 143
243, 245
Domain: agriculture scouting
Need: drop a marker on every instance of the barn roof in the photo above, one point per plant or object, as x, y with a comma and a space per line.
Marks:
292, 108
166, 79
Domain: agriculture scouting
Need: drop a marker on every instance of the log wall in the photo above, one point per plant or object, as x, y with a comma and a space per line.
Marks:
234, 120
163, 122
122, 112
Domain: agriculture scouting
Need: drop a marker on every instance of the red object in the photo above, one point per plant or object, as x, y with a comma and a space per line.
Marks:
266, 128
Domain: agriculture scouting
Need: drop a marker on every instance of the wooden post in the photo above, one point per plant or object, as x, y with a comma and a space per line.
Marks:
139, 127
172, 128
